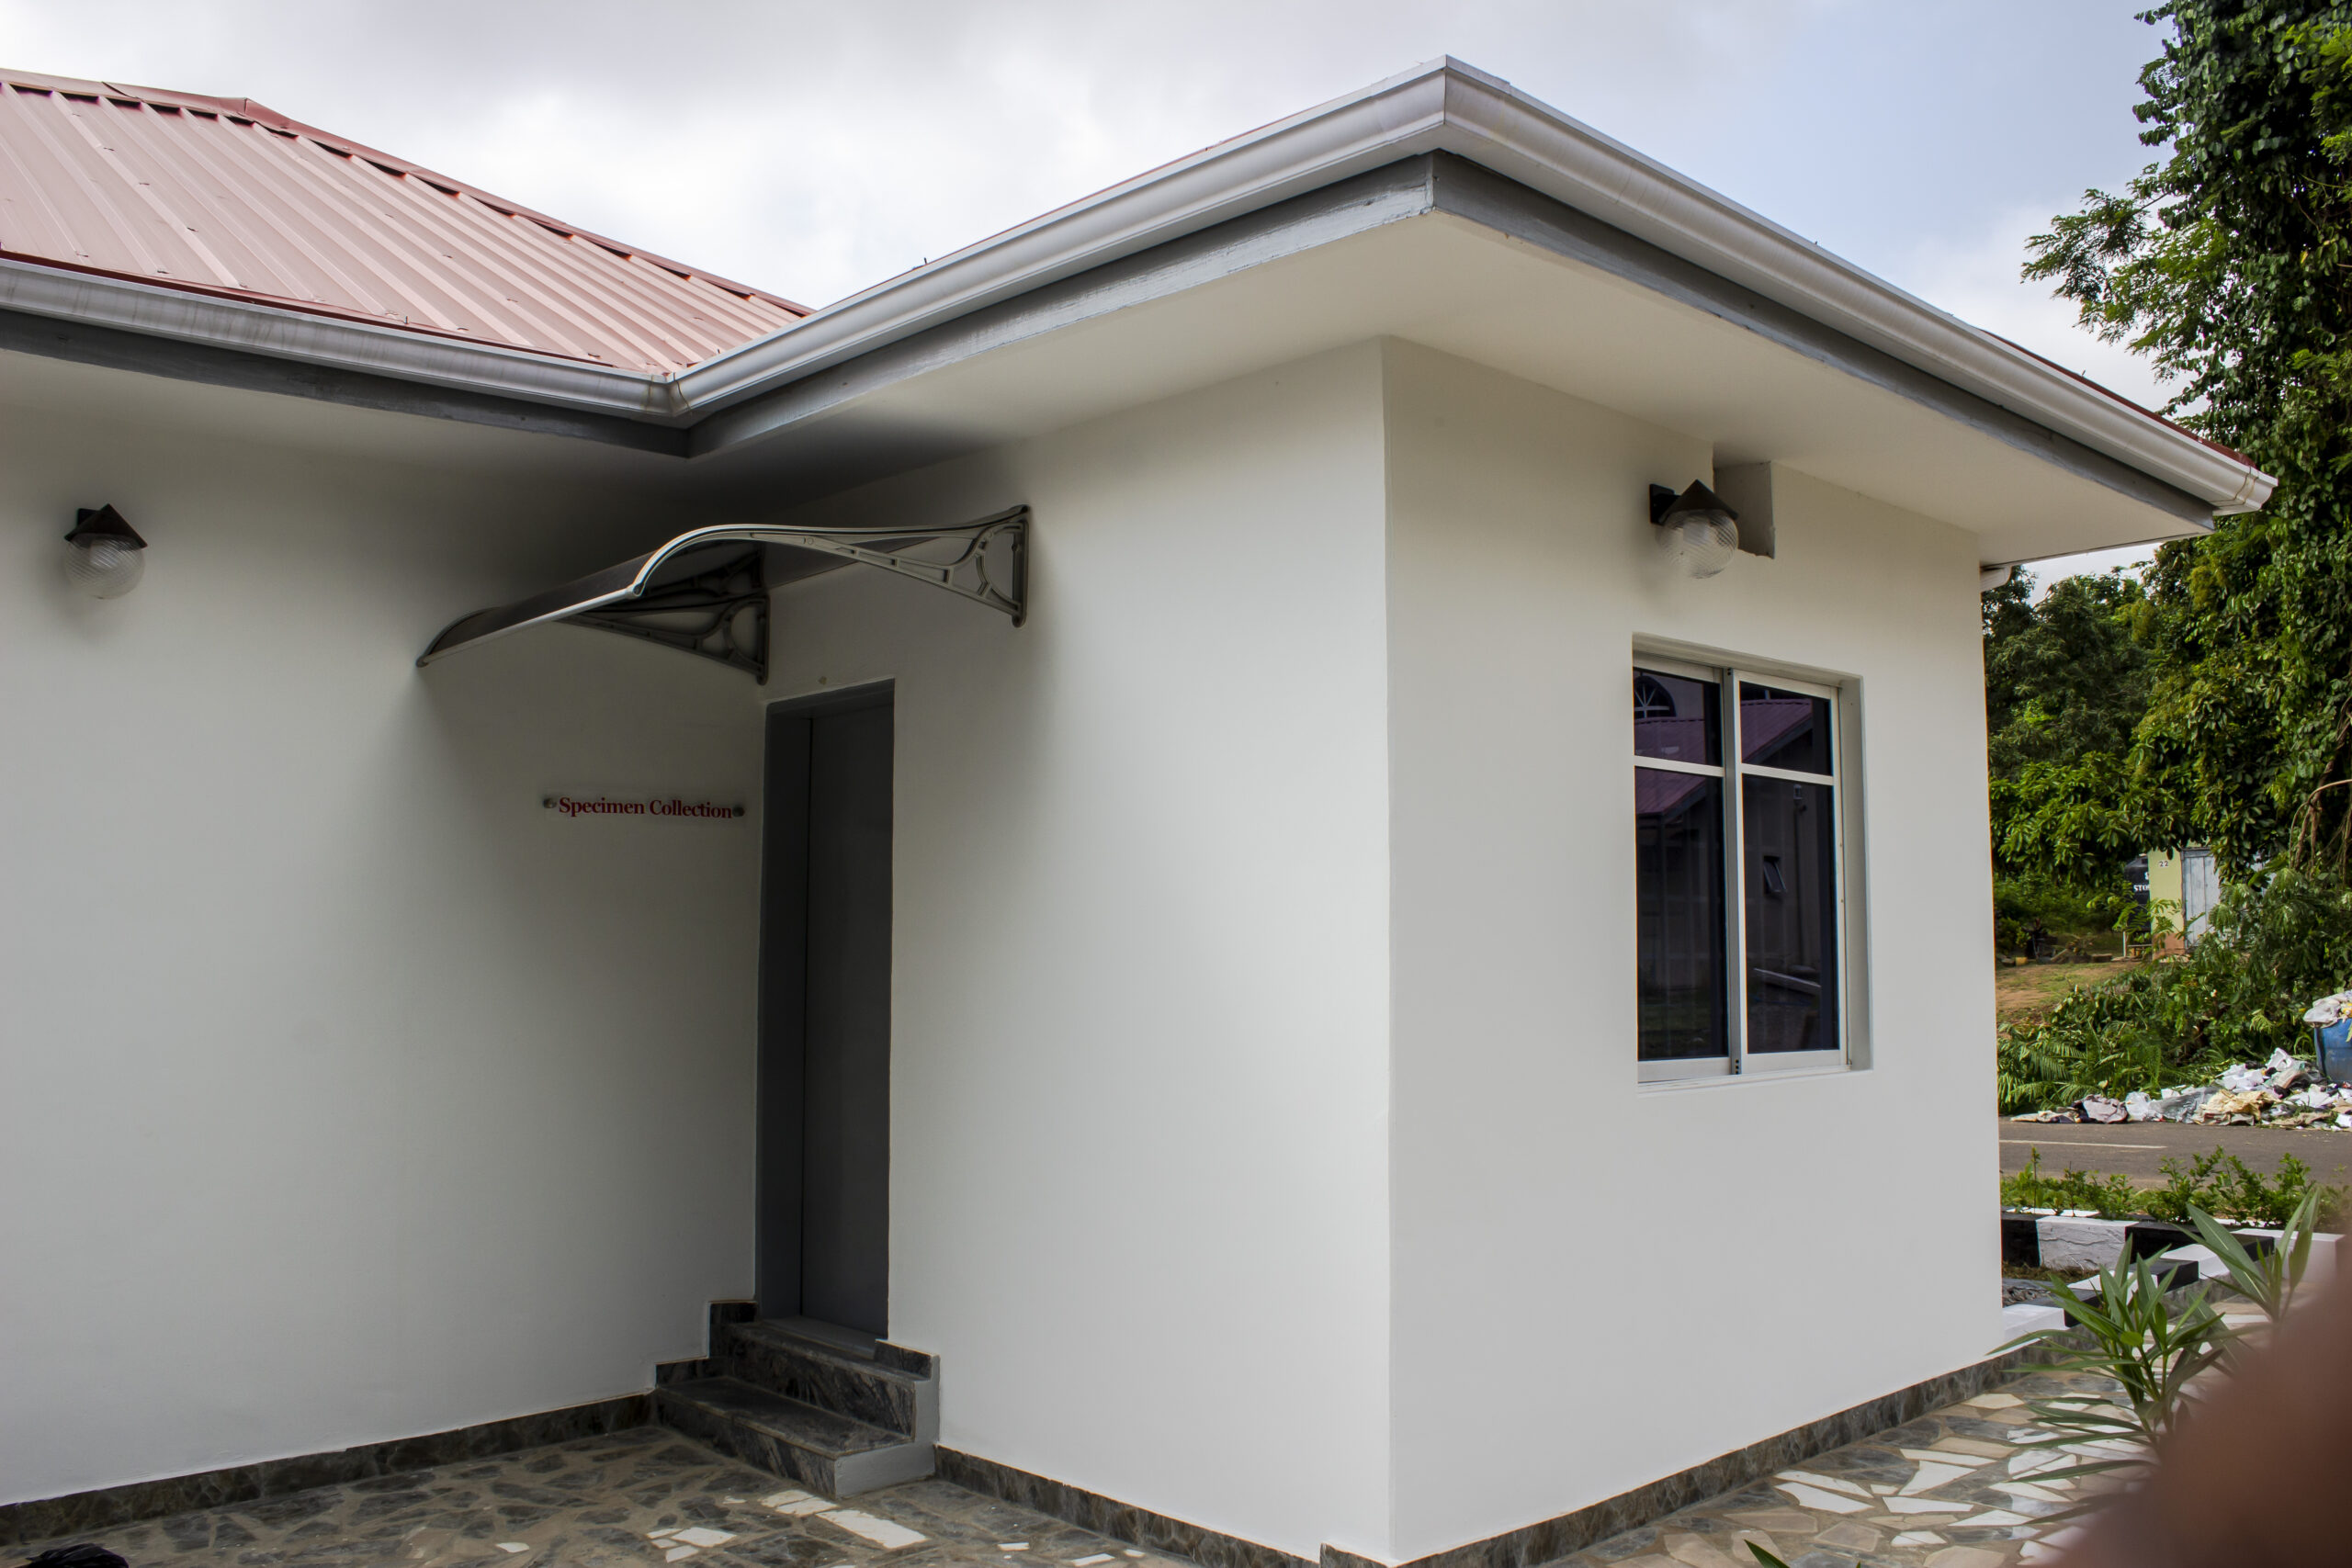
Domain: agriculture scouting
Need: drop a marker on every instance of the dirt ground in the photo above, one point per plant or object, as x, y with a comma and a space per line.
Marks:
2029, 990
2136, 1148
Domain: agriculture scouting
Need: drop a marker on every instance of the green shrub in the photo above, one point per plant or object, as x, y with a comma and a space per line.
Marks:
2223, 1185
2270, 948
2219, 1183
2110, 1197
2076, 921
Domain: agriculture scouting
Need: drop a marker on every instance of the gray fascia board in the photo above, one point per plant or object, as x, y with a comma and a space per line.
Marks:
187, 317
1379, 125
1490, 123
1352, 206
115, 348
1479, 195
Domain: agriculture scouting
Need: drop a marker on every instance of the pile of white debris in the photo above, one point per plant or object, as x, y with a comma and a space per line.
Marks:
2283, 1092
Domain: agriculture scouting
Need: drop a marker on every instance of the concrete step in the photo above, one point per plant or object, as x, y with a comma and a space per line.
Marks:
818, 1448
782, 1360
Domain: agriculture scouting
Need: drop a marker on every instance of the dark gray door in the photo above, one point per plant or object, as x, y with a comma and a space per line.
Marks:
824, 1097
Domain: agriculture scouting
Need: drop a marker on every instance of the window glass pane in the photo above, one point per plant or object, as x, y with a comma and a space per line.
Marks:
1678, 839
1789, 843
1678, 718
1783, 729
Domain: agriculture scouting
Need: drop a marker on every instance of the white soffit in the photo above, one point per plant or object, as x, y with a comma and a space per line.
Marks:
1447, 107
1459, 288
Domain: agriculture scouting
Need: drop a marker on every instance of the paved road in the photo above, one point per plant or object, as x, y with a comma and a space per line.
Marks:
2136, 1148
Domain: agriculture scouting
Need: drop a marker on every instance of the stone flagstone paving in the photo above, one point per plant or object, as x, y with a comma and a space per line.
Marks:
625, 1500
1952, 1490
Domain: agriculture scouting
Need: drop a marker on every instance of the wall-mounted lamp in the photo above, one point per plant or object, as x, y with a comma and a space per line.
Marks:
107, 558
1701, 533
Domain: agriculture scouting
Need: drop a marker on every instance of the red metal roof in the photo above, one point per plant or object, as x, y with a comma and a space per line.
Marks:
223, 196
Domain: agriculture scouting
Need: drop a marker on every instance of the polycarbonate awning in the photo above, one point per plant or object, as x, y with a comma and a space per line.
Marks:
705, 593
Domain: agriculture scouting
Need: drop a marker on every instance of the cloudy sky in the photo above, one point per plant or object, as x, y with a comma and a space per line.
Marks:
815, 149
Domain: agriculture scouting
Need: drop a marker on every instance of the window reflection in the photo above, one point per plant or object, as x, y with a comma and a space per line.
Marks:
1677, 717
1680, 913
1783, 729
1789, 845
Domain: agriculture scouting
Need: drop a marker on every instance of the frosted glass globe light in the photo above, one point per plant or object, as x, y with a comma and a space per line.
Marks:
1698, 532
1703, 542
105, 557
104, 568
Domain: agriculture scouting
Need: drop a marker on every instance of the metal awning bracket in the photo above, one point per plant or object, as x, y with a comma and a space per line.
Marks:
721, 611
985, 561
722, 614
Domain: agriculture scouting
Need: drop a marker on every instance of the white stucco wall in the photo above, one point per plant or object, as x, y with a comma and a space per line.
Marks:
1598, 1284
1139, 1025
352, 1096
345, 1094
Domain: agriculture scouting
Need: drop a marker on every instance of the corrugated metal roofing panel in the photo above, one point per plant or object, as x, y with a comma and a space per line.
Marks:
224, 196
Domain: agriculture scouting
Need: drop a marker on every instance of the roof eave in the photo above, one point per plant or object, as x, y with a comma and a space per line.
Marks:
1448, 106
1443, 106
102, 300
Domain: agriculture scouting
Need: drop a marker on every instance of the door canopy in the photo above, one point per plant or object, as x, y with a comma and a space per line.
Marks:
707, 591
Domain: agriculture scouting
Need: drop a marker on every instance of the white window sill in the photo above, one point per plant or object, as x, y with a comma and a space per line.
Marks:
1753, 1075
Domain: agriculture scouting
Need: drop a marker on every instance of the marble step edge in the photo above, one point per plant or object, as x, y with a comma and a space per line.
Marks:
795, 1421
890, 1362
769, 1356
828, 1453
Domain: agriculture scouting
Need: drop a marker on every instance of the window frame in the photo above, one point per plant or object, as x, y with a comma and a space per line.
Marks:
1728, 676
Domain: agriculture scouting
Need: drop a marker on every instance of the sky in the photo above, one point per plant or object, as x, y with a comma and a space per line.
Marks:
816, 151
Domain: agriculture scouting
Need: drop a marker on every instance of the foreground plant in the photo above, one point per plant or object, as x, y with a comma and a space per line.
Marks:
2269, 1279
2153, 1347
2150, 1346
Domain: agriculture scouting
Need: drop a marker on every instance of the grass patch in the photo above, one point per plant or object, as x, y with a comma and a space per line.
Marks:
2047, 1276
2026, 993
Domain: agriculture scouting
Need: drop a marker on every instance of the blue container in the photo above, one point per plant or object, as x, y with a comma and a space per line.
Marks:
2334, 1043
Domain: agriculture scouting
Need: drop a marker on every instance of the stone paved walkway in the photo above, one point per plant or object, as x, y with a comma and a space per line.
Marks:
632, 1499
1952, 1490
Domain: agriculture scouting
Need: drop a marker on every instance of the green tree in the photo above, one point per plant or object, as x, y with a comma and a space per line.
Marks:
2065, 677
2065, 689
2227, 264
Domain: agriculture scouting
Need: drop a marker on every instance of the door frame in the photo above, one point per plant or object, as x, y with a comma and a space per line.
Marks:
779, 1044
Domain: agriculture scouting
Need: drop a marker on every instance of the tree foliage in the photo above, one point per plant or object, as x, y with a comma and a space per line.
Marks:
2226, 263
2064, 677
2065, 689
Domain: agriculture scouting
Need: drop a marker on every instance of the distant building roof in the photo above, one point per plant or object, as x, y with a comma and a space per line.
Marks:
223, 196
